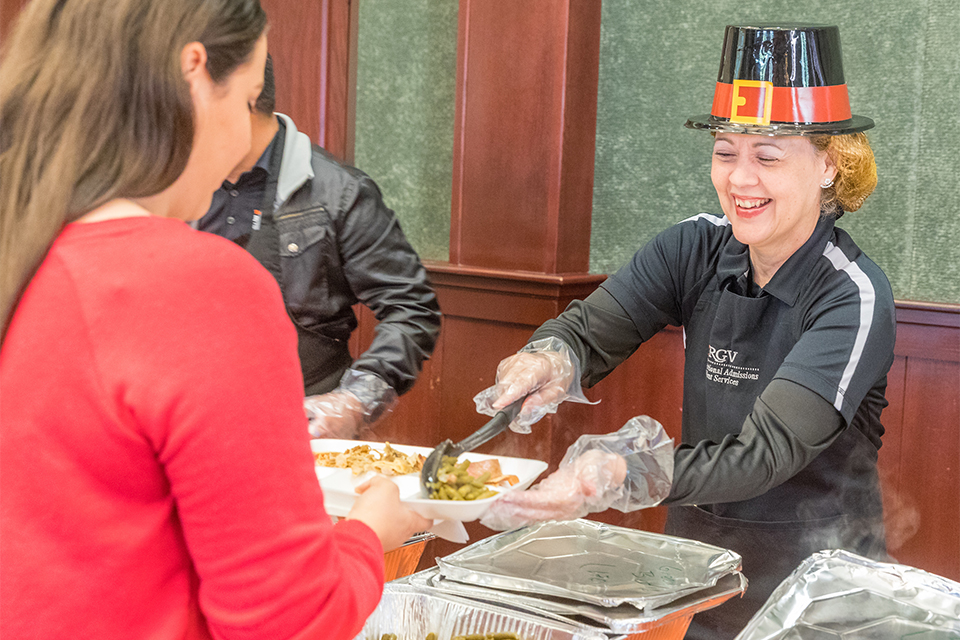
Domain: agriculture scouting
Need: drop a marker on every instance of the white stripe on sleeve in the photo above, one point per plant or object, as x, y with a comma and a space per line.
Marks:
868, 298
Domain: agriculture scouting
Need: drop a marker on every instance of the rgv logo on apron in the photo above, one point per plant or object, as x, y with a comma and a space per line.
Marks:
722, 367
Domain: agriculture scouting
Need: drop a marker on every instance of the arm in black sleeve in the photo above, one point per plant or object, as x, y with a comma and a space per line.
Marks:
598, 331
788, 427
387, 276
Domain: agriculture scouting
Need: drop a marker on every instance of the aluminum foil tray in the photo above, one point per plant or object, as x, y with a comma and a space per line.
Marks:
837, 595
411, 613
403, 560
591, 562
625, 618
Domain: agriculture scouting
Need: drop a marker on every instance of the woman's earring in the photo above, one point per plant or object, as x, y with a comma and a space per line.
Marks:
826, 184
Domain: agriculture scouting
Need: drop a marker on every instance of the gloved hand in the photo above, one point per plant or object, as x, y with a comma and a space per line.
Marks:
361, 399
627, 470
545, 369
337, 414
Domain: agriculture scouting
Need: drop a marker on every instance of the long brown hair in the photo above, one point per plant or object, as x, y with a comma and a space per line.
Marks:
93, 107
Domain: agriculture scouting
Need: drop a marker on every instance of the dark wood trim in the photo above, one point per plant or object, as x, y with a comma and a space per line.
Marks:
928, 313
506, 296
525, 282
927, 330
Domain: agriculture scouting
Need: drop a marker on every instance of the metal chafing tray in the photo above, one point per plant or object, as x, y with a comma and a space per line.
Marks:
411, 613
591, 562
837, 595
624, 619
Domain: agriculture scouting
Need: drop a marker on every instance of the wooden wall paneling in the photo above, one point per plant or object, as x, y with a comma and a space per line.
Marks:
920, 457
524, 136
574, 208
313, 45
930, 467
524, 297
897, 507
480, 345
416, 419
487, 315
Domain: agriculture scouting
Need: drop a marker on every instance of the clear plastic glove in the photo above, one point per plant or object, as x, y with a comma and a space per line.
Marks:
360, 400
628, 470
337, 414
546, 370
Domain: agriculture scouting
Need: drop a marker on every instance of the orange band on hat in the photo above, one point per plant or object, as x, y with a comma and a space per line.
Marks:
760, 103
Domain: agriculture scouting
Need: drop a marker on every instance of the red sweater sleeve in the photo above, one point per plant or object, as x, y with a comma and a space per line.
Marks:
220, 398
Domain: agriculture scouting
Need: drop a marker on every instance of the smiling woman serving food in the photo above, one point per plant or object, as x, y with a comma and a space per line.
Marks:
788, 328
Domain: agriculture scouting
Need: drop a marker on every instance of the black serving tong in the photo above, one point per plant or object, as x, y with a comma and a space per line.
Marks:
493, 428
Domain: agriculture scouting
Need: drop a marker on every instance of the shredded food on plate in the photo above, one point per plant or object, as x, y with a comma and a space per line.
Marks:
363, 458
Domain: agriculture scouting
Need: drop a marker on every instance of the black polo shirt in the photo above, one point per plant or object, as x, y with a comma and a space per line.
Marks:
822, 330
825, 320
231, 213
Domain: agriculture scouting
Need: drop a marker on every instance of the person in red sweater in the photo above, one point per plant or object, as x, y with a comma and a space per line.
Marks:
156, 479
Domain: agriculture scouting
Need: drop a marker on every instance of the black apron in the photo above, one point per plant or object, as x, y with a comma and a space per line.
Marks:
775, 532
323, 359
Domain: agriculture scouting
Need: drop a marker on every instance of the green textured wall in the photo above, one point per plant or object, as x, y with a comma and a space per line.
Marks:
658, 65
406, 77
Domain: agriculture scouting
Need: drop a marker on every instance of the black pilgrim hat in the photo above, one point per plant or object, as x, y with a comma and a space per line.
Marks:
785, 80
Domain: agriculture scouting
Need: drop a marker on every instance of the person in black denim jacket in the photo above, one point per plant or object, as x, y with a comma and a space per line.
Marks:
322, 229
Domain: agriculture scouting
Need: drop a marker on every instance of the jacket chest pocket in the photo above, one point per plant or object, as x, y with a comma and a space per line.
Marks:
308, 258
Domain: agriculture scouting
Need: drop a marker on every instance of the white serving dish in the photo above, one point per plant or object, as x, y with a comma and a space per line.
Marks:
339, 485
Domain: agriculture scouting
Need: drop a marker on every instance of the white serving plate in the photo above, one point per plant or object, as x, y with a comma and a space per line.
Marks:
339, 484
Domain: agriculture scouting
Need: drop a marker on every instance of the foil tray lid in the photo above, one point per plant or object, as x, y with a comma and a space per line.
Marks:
838, 595
625, 619
591, 562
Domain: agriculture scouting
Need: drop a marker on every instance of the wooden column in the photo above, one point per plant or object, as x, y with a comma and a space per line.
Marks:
524, 137
524, 140
314, 46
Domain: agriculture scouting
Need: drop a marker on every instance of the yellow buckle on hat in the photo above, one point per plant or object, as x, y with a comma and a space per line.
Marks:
750, 104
